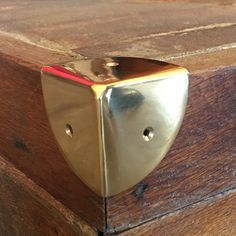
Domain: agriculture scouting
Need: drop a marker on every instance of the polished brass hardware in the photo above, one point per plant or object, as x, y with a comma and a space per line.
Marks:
114, 118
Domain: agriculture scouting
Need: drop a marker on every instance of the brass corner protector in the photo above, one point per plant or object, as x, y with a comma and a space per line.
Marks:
114, 118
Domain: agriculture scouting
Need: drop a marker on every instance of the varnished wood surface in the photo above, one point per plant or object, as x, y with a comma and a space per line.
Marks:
213, 216
197, 34
156, 29
27, 209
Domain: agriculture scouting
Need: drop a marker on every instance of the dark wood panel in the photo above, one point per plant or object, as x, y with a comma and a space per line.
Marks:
27, 142
213, 216
201, 163
27, 209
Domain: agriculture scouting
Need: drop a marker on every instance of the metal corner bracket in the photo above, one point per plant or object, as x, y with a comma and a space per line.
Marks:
114, 118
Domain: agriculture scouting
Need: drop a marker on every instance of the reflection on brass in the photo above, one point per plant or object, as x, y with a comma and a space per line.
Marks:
114, 118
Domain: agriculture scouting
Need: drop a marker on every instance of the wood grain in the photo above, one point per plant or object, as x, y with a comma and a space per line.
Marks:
119, 27
201, 164
27, 209
213, 216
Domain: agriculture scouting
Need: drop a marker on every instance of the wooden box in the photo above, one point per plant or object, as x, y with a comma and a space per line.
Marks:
193, 190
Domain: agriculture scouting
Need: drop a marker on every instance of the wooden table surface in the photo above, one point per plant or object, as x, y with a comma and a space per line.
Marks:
193, 191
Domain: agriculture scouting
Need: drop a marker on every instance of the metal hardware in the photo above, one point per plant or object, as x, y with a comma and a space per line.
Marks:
114, 118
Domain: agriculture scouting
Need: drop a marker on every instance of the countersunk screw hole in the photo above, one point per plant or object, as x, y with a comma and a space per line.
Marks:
148, 134
112, 64
69, 130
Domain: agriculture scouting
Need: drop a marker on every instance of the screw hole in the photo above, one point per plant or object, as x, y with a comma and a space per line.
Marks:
148, 134
112, 64
69, 130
